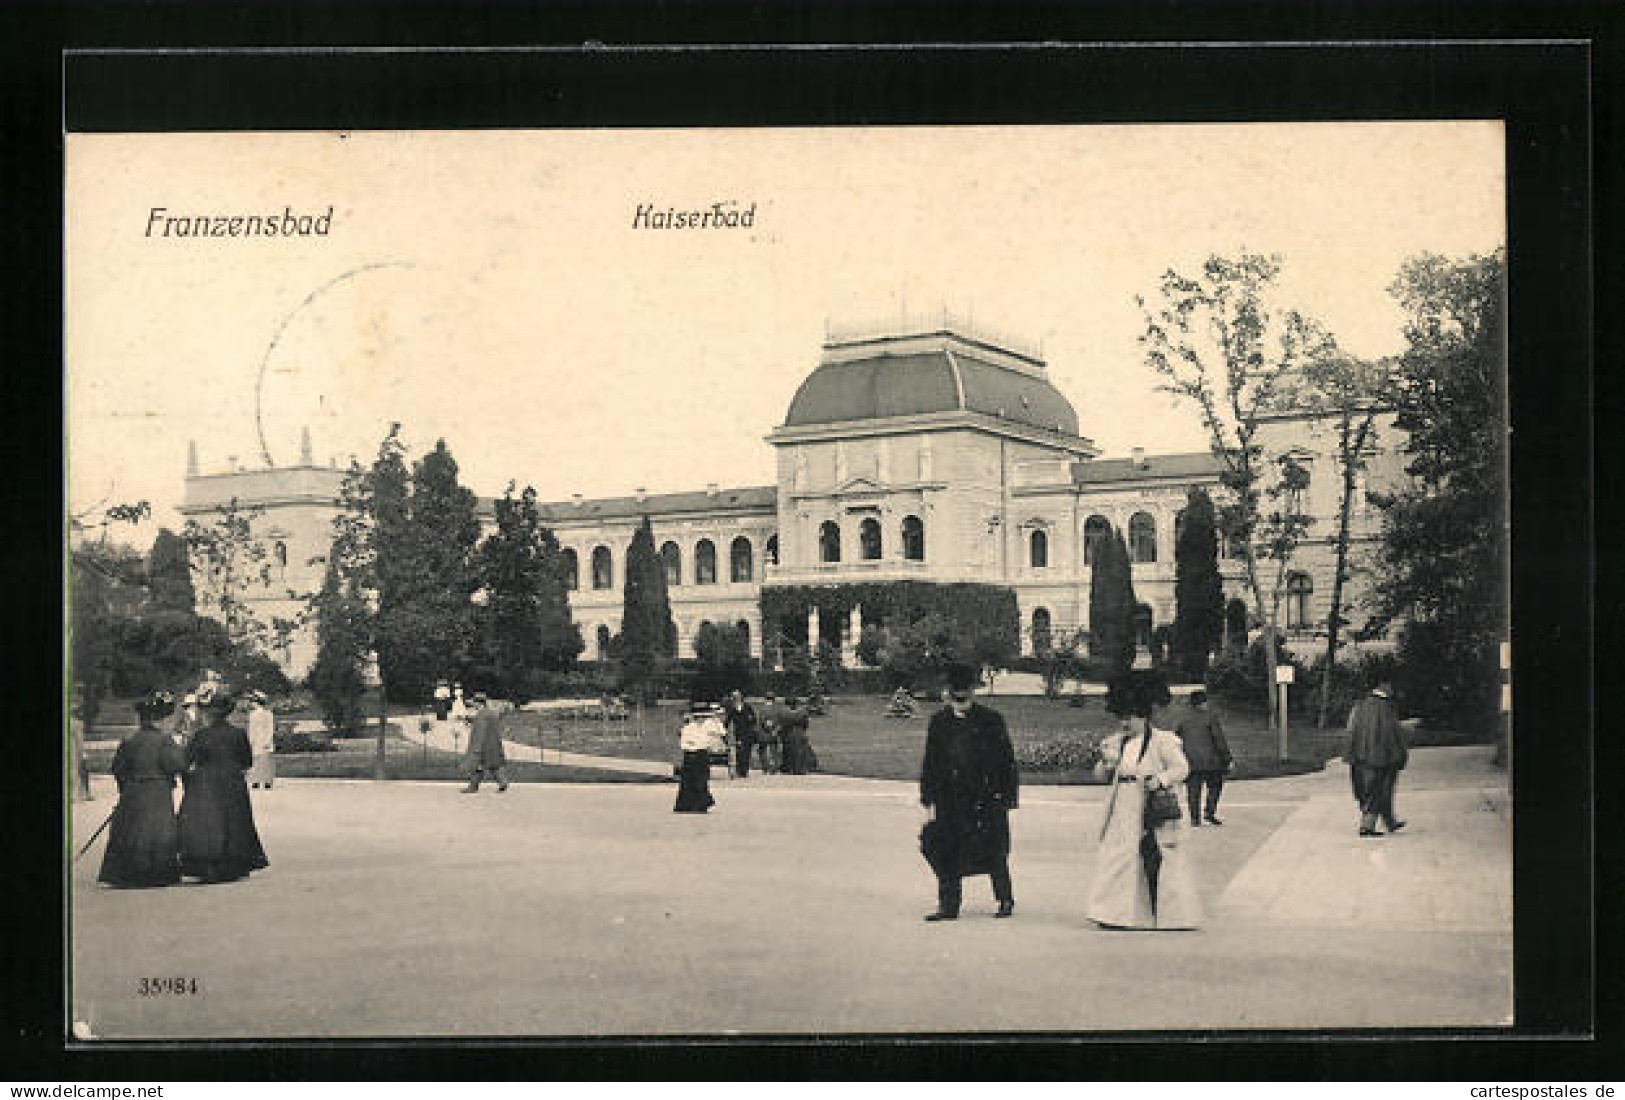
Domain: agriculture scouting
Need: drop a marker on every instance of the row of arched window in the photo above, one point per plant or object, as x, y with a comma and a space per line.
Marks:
741, 563
1142, 540
871, 541
602, 636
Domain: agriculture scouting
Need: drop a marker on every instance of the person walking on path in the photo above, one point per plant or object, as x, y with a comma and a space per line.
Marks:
80, 788
969, 780
769, 745
796, 755
486, 756
700, 731
262, 740
740, 718
143, 840
218, 840
1376, 754
1142, 879
1201, 736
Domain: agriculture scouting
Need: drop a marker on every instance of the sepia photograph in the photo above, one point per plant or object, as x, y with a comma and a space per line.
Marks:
787, 580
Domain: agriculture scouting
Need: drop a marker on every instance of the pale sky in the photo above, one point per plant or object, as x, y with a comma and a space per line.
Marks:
489, 286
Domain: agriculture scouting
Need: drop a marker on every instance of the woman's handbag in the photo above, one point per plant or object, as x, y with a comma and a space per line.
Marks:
1161, 803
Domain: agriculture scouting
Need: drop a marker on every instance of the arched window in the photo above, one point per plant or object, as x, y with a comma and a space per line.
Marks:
1096, 530
1038, 550
869, 539
1142, 538
1235, 624
571, 568
829, 541
671, 561
603, 569
603, 643
1041, 631
740, 566
705, 562
280, 551
913, 539
772, 552
1299, 588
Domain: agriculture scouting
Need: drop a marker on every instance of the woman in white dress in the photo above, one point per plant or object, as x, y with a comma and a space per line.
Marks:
1142, 876
262, 741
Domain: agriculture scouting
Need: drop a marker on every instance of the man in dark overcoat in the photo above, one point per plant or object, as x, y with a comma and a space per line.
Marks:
1202, 736
969, 780
1377, 752
740, 719
485, 752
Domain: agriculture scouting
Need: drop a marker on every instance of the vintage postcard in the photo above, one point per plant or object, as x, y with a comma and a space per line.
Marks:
1006, 526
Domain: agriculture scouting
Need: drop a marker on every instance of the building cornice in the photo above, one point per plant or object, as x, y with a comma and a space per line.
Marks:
784, 435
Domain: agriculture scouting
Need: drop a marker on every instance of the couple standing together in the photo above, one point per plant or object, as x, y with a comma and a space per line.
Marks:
969, 780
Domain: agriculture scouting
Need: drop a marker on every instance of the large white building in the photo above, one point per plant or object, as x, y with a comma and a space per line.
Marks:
932, 455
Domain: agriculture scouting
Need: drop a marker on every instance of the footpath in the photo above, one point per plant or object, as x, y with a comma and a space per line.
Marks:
1450, 869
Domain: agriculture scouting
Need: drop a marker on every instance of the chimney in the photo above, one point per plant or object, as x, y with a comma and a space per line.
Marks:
232, 461
304, 447
1137, 457
575, 498
191, 458
711, 489
640, 494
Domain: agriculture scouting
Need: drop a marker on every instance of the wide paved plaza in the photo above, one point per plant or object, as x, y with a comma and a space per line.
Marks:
406, 909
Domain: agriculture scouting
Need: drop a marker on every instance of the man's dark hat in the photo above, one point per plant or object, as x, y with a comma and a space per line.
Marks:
961, 677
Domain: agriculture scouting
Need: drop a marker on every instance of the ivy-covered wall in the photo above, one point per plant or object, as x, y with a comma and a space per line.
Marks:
973, 608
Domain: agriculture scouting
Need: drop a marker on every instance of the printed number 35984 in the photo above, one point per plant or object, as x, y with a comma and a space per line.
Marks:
175, 987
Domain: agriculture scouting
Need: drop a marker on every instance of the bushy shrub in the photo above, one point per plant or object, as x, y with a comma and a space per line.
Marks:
1245, 677
300, 741
1055, 754
1350, 681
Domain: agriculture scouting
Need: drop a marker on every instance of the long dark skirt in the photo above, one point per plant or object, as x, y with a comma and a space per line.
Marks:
143, 841
799, 758
218, 839
694, 790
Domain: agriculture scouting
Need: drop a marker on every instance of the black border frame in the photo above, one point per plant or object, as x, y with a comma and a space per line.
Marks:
1542, 89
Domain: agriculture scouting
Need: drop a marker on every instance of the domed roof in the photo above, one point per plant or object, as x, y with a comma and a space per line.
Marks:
926, 373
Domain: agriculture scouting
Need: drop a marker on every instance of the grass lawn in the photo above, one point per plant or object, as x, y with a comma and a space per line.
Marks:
856, 738
354, 758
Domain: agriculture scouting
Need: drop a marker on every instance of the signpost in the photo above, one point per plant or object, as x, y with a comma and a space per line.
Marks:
1284, 675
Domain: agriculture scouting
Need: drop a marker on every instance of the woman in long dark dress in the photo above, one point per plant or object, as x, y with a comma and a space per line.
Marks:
218, 840
701, 729
798, 755
142, 840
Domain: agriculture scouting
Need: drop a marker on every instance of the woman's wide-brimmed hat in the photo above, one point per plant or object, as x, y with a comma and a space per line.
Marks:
216, 694
1137, 693
155, 704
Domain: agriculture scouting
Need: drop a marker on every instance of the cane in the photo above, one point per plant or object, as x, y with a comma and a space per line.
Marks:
108, 821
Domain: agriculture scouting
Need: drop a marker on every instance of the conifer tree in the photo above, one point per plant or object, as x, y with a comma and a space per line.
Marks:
525, 621
342, 643
1112, 603
647, 632
1198, 589
169, 574
430, 621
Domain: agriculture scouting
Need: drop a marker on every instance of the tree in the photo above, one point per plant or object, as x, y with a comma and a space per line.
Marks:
525, 621
1443, 561
381, 541
1217, 341
429, 621
343, 641
105, 588
1198, 588
233, 563
647, 632
1062, 662
723, 654
169, 574
1353, 393
1112, 603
